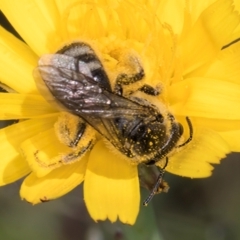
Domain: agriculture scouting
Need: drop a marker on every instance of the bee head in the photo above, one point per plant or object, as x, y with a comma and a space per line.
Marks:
153, 140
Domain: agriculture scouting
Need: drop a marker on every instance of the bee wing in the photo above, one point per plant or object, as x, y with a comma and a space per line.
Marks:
77, 93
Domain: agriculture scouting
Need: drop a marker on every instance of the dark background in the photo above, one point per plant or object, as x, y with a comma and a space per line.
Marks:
199, 209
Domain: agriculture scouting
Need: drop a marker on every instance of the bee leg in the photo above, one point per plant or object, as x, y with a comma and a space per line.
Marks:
160, 186
127, 79
77, 154
69, 129
131, 71
75, 133
118, 89
130, 78
63, 158
149, 90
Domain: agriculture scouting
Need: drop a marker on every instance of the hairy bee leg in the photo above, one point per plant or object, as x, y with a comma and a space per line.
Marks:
80, 131
70, 129
73, 157
75, 133
134, 75
132, 71
127, 79
65, 159
149, 90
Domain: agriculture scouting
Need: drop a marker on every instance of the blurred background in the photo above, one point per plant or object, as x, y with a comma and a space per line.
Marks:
199, 209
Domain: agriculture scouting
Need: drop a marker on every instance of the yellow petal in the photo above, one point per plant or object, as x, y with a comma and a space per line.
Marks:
168, 9
229, 130
194, 160
13, 166
111, 187
215, 124
232, 138
213, 27
75, 13
236, 4
44, 152
57, 183
70, 13
35, 21
226, 65
17, 62
197, 7
205, 97
22, 106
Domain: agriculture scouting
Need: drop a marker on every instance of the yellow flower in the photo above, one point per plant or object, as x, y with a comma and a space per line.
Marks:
184, 47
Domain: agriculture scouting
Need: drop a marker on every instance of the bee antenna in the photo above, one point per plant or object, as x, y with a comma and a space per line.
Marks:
190, 133
157, 185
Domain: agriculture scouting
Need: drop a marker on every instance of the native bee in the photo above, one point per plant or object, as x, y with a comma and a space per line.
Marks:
76, 80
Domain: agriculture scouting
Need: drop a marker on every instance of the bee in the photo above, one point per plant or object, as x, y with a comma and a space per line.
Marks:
74, 78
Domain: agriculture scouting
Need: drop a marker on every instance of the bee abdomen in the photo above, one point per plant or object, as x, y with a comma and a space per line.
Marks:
87, 62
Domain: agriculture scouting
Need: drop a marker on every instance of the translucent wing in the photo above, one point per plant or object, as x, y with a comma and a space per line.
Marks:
59, 80
81, 95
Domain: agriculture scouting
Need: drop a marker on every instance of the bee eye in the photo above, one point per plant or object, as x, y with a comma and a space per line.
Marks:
159, 118
142, 129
